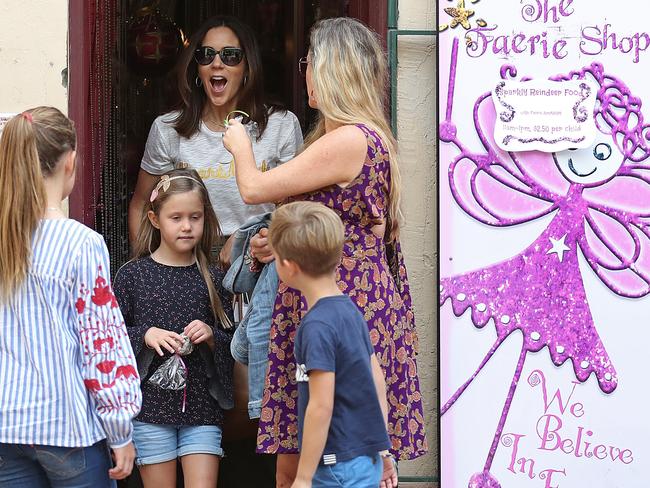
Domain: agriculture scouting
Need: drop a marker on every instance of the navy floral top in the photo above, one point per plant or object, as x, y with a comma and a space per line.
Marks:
151, 294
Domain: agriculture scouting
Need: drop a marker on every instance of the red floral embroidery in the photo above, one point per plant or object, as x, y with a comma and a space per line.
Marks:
92, 385
102, 293
127, 371
80, 305
106, 366
98, 343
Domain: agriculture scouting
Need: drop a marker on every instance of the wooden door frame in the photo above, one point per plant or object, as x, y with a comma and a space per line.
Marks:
79, 39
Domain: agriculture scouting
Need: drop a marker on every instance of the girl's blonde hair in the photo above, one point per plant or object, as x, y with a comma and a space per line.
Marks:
148, 239
350, 77
31, 146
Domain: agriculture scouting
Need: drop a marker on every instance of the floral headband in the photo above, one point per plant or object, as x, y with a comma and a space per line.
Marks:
164, 183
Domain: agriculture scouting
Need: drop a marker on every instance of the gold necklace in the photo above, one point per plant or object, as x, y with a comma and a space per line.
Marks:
212, 123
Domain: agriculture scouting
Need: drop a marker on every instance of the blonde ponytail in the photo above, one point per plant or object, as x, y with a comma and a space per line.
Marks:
31, 145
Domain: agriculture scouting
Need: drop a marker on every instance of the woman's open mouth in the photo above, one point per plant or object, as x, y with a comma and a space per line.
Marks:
582, 175
218, 83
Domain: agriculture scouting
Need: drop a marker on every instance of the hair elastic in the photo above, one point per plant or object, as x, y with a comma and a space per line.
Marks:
164, 183
28, 117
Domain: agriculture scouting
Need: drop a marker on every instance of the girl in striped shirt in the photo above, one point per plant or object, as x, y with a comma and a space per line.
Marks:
69, 385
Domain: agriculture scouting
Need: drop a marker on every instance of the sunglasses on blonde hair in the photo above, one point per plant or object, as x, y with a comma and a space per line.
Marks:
230, 56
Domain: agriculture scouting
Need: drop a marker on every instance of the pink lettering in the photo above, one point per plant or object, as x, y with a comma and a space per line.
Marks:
547, 474
552, 423
557, 396
596, 40
515, 448
567, 446
627, 454
600, 451
541, 9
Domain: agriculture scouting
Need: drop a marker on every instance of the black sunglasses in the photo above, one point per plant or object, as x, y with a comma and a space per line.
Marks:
230, 56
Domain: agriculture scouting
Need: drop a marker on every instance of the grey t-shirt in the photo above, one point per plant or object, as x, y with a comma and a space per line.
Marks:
205, 153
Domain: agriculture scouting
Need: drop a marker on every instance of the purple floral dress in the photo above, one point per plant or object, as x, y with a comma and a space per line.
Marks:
374, 276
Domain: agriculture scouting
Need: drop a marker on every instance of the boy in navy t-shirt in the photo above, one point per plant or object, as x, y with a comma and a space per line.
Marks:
341, 390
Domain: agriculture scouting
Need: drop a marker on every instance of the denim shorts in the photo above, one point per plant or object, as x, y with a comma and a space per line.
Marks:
358, 472
158, 443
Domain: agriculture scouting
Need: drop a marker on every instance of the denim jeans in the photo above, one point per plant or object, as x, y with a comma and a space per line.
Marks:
250, 343
358, 472
24, 466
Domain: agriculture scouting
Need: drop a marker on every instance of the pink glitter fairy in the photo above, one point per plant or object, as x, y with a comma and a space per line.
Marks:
600, 198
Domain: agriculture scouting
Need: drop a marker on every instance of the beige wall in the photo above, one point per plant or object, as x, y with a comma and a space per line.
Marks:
416, 112
33, 40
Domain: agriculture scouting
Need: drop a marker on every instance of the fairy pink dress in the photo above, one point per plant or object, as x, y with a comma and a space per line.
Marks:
374, 276
540, 291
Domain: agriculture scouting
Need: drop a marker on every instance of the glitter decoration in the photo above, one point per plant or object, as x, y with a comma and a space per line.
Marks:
600, 213
461, 16
483, 480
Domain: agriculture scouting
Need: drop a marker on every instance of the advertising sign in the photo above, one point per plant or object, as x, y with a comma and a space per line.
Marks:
544, 184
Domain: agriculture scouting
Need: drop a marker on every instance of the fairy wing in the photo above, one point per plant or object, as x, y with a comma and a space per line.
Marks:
616, 241
500, 188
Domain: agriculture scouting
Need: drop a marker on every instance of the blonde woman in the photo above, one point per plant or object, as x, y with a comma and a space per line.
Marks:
69, 384
349, 164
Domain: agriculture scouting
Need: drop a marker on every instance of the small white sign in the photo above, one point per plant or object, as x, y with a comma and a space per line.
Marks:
544, 115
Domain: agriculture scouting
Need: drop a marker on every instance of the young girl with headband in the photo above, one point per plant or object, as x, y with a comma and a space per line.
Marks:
68, 380
177, 314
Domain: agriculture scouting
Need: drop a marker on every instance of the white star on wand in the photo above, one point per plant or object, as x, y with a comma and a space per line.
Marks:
558, 247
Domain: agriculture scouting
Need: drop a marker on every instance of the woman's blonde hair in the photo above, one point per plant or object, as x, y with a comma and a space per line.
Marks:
350, 77
31, 146
148, 238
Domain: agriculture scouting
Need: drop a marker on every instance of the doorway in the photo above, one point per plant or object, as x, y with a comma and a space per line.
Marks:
121, 73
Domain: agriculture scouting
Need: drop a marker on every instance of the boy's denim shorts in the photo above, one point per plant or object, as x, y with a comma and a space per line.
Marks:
358, 472
158, 443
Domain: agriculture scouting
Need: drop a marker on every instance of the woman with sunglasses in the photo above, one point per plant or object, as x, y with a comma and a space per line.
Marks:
219, 72
349, 164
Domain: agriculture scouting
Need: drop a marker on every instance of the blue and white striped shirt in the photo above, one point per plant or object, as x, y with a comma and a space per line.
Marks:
68, 375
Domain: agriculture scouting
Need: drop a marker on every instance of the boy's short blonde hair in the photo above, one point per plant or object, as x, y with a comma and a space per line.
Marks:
309, 234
